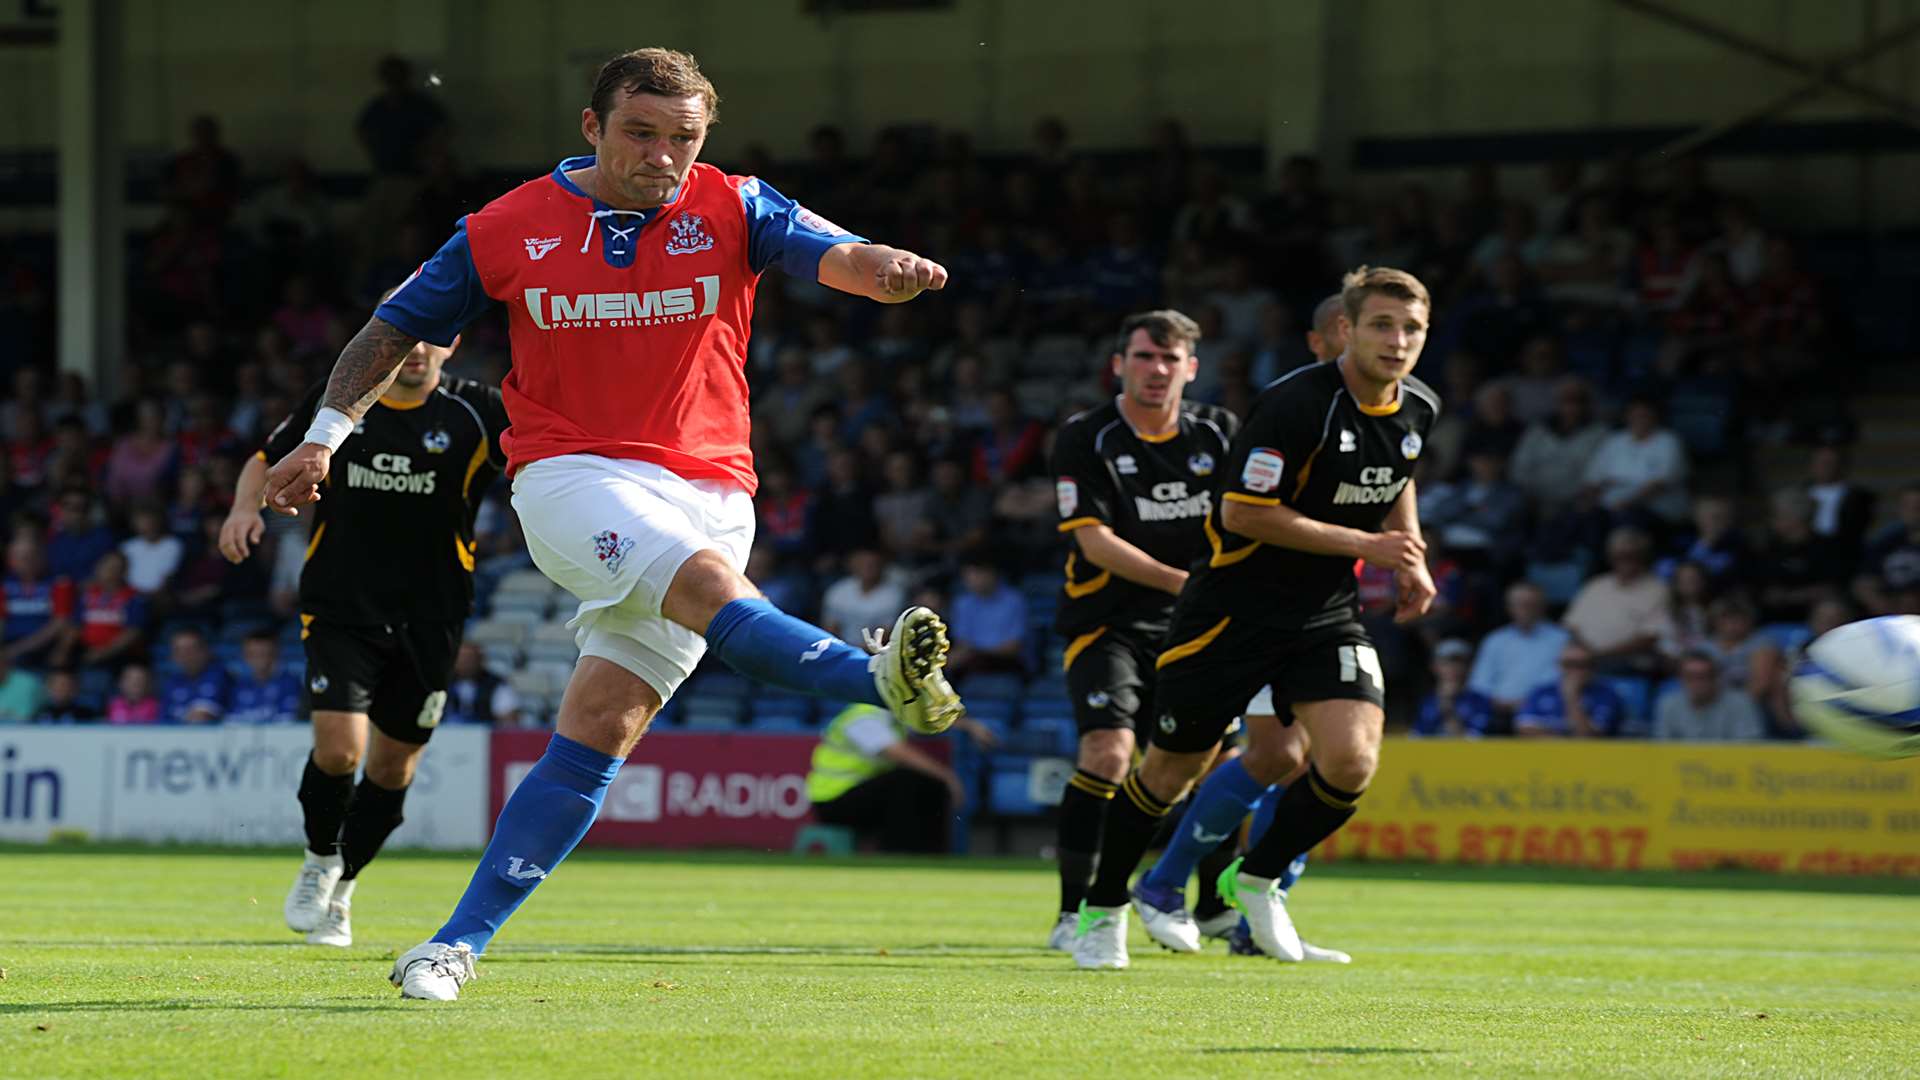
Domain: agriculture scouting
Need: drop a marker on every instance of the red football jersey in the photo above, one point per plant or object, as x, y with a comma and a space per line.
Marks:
628, 329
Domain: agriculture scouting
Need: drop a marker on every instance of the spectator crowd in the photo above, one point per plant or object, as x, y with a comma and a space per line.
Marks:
1611, 351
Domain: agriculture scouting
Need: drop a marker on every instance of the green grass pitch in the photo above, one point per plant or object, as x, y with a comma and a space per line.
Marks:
123, 963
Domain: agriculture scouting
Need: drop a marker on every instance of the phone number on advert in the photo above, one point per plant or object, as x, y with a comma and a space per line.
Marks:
1595, 848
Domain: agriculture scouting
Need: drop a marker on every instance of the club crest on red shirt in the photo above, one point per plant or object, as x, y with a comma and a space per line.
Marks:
689, 234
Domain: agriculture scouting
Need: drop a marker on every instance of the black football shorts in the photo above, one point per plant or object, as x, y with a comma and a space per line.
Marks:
1213, 667
1110, 679
396, 674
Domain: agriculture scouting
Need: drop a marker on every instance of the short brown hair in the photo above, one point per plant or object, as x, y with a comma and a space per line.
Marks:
1166, 327
1365, 281
665, 72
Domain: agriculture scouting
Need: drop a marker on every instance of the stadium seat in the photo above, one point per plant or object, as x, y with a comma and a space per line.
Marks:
1009, 787
823, 840
1052, 684
506, 633
724, 684
992, 711
1559, 580
552, 642
532, 608
705, 713
1053, 733
526, 581
779, 721
982, 687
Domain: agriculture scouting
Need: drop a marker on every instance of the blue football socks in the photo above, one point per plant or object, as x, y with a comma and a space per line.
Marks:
1215, 812
768, 645
542, 821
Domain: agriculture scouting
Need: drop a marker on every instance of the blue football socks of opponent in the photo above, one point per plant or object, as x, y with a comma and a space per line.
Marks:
543, 819
1211, 818
768, 645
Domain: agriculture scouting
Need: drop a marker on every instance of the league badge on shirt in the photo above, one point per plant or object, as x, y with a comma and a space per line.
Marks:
689, 234
1200, 464
1263, 470
1068, 493
1410, 446
817, 223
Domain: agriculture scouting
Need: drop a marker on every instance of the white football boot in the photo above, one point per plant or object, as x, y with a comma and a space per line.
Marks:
907, 672
336, 926
1218, 927
1101, 944
433, 971
1166, 919
307, 901
1314, 954
1061, 939
1265, 908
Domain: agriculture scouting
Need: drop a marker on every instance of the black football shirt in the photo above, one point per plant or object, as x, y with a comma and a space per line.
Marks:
1153, 491
392, 535
1307, 444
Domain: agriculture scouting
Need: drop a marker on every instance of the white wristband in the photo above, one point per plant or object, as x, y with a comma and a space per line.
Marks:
330, 428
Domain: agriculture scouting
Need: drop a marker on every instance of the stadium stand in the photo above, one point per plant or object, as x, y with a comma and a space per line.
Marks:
1738, 335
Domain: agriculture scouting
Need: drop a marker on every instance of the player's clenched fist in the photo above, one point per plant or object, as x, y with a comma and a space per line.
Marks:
1396, 550
906, 275
1416, 592
295, 480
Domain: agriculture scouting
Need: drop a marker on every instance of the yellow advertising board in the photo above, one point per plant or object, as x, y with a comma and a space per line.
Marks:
1637, 805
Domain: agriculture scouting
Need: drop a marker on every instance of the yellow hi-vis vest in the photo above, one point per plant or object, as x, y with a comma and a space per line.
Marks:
838, 765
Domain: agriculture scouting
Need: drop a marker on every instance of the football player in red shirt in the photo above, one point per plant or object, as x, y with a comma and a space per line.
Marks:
628, 447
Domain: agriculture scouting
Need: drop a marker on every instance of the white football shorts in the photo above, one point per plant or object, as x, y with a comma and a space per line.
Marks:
1262, 703
613, 533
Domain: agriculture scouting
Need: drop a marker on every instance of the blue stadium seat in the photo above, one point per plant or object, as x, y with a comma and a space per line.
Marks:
1051, 685
983, 687
1559, 580
708, 712
1058, 731
724, 684
995, 710
780, 722
1007, 788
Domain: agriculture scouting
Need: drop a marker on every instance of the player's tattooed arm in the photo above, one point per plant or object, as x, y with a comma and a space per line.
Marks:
366, 367
364, 371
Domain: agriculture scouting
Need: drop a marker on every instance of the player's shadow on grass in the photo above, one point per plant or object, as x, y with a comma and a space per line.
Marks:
197, 1005
1352, 1051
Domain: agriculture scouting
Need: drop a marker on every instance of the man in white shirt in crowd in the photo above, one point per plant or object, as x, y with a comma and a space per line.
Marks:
867, 598
1622, 616
1520, 655
1703, 710
1641, 468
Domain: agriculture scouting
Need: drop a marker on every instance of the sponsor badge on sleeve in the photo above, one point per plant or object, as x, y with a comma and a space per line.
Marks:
1263, 470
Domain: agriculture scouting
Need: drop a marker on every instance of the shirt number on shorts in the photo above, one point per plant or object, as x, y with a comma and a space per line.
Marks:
1355, 659
431, 709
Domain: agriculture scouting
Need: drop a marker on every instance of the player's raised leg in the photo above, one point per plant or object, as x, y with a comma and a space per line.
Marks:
760, 641
326, 794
